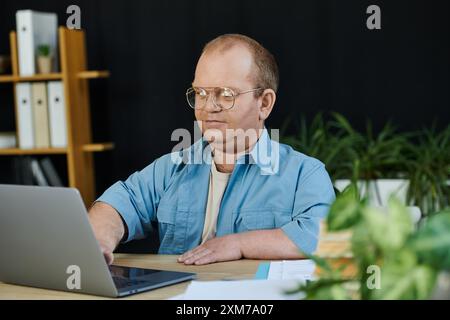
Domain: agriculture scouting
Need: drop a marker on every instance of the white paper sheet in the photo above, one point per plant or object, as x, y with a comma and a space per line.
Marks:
291, 269
241, 290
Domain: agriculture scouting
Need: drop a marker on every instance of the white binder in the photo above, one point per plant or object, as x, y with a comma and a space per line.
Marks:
24, 116
34, 29
57, 114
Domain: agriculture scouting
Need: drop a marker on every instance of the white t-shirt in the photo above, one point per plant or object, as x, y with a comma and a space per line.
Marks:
217, 183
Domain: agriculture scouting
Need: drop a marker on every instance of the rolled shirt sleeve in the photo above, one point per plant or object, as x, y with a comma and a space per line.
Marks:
313, 198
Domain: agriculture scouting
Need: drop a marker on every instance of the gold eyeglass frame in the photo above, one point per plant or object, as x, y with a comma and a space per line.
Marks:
213, 89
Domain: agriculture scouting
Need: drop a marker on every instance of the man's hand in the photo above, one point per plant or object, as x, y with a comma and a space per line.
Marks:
259, 244
219, 249
108, 228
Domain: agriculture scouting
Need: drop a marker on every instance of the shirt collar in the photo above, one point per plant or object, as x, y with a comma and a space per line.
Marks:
264, 154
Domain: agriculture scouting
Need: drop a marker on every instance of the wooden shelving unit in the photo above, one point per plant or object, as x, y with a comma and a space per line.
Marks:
98, 147
22, 152
73, 63
53, 76
37, 77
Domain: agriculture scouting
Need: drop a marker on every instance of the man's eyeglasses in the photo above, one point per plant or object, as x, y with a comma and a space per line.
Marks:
222, 97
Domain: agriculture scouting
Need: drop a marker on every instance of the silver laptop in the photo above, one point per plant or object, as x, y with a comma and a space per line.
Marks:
46, 241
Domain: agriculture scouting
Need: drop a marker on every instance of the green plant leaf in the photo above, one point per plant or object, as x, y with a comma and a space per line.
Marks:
345, 210
325, 289
432, 241
388, 230
428, 167
403, 278
365, 253
43, 50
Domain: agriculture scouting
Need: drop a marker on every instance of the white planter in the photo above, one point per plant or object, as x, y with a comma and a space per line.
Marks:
44, 64
380, 190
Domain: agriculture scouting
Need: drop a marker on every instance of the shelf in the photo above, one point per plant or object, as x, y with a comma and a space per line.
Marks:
7, 78
53, 76
98, 147
92, 147
36, 77
93, 74
20, 152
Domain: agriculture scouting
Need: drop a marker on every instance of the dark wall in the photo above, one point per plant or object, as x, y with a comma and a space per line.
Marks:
328, 60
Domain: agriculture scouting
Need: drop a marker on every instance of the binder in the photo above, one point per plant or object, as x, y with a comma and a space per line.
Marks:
57, 114
50, 172
33, 29
40, 113
26, 171
38, 174
24, 116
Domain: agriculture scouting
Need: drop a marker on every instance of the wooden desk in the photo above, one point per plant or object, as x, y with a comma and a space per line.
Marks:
241, 269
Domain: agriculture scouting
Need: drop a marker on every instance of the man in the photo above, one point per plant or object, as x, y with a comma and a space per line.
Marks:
248, 197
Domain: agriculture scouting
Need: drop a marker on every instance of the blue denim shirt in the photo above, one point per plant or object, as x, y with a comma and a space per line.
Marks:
273, 186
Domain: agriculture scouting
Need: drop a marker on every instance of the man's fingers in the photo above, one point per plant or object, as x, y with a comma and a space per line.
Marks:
192, 259
109, 257
185, 256
206, 259
190, 253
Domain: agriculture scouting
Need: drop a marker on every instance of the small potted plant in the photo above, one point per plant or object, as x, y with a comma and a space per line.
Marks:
44, 59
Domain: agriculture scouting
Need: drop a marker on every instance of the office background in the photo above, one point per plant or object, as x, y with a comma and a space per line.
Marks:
328, 60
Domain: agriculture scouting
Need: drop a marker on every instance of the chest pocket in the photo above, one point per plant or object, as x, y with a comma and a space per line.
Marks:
260, 219
172, 224
253, 219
